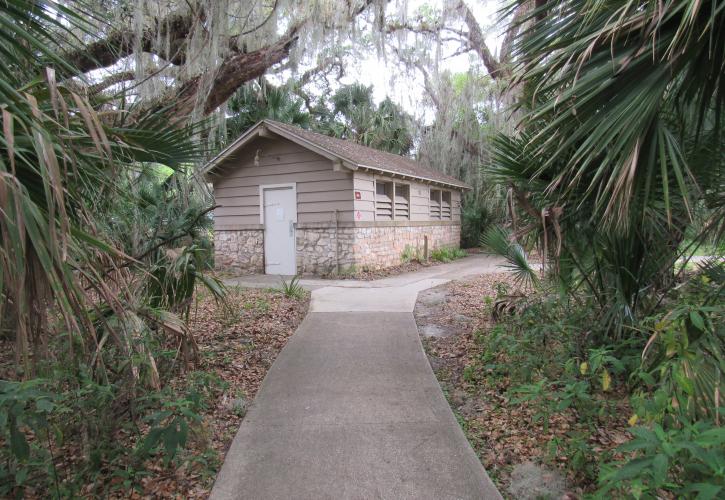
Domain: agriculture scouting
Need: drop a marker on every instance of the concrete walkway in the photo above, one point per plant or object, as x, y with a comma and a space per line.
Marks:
351, 408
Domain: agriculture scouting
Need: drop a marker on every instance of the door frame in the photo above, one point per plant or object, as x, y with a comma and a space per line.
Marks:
286, 185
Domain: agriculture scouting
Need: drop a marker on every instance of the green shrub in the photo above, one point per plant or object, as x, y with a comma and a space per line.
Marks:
292, 288
411, 254
39, 417
554, 355
687, 461
447, 254
479, 211
680, 449
25, 406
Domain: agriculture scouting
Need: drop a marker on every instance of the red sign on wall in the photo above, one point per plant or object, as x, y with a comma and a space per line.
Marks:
358, 195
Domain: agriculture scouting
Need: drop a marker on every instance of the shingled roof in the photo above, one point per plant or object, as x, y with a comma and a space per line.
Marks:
350, 154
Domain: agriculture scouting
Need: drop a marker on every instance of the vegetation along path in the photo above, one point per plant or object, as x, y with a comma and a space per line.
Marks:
351, 408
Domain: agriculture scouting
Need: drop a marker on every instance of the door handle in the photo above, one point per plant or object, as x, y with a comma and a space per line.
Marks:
291, 228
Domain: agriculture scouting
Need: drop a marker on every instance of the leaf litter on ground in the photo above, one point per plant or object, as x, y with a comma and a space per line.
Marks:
503, 433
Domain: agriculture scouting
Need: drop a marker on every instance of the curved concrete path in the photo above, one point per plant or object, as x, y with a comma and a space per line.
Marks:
351, 408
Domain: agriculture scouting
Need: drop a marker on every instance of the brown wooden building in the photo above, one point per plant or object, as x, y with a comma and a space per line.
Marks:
294, 201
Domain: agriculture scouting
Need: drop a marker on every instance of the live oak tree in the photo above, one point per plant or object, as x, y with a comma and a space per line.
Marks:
466, 107
92, 94
187, 58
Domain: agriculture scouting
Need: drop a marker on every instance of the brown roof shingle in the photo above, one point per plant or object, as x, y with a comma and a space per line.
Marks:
363, 156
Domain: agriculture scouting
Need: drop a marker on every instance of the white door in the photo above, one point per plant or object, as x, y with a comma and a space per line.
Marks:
280, 215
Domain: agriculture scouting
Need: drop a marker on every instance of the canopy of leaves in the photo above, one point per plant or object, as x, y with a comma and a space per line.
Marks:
351, 113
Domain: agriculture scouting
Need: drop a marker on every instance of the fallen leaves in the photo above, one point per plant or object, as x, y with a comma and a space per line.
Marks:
238, 341
502, 433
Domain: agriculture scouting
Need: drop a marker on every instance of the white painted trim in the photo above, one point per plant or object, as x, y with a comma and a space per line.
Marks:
286, 185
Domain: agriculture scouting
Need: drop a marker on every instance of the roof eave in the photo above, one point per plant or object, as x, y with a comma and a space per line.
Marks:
262, 129
346, 162
417, 177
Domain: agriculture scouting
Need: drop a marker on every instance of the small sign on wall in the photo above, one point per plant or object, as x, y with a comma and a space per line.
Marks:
358, 196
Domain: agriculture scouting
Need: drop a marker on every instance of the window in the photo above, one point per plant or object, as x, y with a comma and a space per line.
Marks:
392, 201
383, 200
435, 204
446, 205
440, 205
402, 201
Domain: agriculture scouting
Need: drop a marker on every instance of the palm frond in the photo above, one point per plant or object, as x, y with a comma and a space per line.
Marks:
498, 242
60, 165
603, 80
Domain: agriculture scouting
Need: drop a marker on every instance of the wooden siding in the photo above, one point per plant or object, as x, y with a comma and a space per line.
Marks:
364, 183
419, 201
320, 190
365, 206
456, 205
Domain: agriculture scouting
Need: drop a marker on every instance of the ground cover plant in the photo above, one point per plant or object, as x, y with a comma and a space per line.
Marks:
61, 440
526, 386
518, 396
608, 201
447, 254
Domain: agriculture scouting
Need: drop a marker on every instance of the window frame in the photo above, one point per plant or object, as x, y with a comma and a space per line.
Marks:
449, 215
405, 196
437, 199
389, 198
388, 187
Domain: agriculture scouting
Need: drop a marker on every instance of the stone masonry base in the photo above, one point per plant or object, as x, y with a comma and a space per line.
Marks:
325, 249
239, 252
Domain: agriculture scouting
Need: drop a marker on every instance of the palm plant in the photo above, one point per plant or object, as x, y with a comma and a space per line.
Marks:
258, 100
629, 97
618, 157
498, 241
356, 117
60, 165
622, 138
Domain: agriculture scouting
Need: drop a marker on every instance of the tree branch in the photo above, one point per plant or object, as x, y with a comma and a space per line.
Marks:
472, 39
233, 72
123, 76
176, 29
427, 81
512, 31
478, 42
120, 44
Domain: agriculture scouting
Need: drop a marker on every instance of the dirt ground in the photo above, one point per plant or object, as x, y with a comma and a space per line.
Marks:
516, 452
238, 342
239, 345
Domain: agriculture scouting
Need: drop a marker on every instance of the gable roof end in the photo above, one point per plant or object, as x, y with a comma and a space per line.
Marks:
351, 155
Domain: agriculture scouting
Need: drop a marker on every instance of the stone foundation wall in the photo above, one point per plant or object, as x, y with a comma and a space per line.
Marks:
320, 247
382, 246
239, 251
